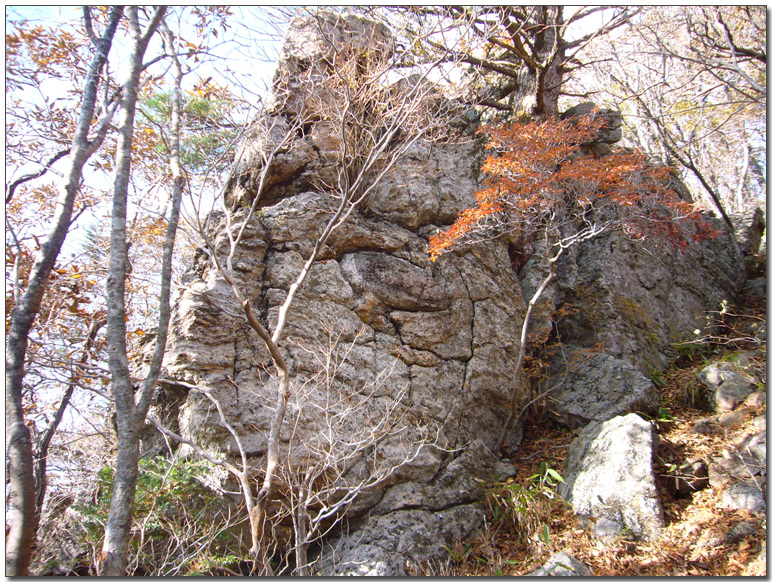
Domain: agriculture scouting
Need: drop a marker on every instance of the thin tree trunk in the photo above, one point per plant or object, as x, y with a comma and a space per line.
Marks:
739, 193
41, 454
21, 499
114, 556
301, 525
551, 260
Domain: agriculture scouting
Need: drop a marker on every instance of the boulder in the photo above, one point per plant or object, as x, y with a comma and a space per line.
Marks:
428, 345
610, 133
598, 388
609, 478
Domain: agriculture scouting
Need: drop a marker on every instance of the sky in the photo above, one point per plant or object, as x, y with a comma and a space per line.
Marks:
243, 58
248, 49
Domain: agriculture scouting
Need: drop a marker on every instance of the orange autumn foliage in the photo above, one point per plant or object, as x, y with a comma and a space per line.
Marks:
538, 175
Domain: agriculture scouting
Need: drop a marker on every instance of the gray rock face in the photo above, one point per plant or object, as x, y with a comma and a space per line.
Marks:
758, 288
432, 344
310, 46
599, 388
396, 283
397, 531
456, 484
386, 544
749, 229
634, 303
609, 477
562, 564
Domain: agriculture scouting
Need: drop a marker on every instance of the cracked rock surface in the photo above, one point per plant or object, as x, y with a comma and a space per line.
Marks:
429, 344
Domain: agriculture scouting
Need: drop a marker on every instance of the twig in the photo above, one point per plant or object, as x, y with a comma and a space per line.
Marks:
537, 453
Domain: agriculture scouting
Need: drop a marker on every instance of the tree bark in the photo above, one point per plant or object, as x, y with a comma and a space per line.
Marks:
114, 556
550, 54
41, 454
21, 499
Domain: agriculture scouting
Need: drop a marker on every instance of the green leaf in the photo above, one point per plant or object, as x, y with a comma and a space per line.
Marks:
555, 475
544, 535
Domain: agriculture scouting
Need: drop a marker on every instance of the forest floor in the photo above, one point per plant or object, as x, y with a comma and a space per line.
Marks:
525, 527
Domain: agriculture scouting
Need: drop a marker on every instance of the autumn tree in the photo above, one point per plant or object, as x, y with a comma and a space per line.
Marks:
542, 184
65, 348
691, 82
87, 138
518, 57
131, 410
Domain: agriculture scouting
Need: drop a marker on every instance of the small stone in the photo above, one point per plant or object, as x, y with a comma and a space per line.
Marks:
713, 542
760, 422
705, 426
728, 385
756, 400
757, 447
562, 564
732, 419
738, 532
745, 495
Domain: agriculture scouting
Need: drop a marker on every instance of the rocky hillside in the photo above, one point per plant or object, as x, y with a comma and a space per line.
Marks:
697, 488
432, 346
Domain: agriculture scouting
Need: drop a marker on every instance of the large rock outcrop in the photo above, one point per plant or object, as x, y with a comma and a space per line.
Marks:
432, 345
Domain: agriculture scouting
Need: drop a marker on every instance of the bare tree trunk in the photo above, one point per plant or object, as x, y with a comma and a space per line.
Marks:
554, 252
265, 494
130, 415
41, 452
552, 261
21, 504
551, 54
301, 529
